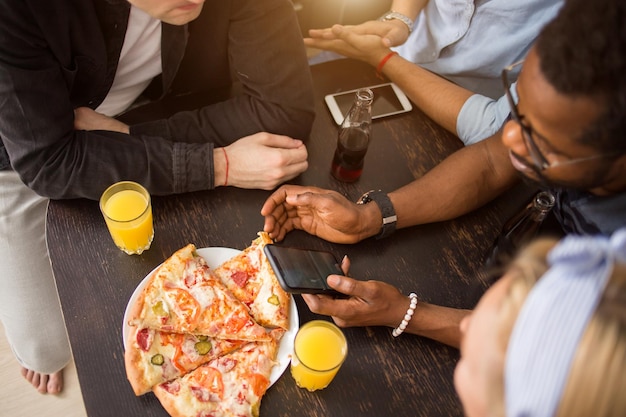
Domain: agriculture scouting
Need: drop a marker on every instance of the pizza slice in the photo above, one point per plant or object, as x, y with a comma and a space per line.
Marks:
250, 277
153, 357
231, 385
183, 296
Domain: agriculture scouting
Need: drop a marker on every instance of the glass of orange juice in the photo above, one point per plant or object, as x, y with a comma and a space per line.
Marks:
127, 211
320, 348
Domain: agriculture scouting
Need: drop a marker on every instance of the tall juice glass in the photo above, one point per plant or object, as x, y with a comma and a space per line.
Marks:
127, 211
320, 348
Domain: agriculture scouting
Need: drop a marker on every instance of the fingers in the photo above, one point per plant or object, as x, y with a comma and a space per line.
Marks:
275, 211
321, 304
291, 151
395, 36
304, 198
290, 171
334, 45
345, 285
292, 195
345, 312
272, 205
345, 265
325, 33
278, 141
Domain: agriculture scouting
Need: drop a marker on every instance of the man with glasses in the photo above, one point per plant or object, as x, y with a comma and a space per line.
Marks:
567, 132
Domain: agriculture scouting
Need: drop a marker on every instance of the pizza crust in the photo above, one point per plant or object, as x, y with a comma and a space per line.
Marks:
182, 299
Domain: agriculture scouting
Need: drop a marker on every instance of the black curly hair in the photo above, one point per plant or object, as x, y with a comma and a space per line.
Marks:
582, 52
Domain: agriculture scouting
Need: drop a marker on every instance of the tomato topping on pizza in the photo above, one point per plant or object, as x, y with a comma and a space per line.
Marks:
205, 341
251, 279
184, 296
232, 385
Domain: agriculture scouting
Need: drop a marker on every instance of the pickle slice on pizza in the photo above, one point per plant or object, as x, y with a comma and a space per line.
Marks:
231, 385
183, 296
153, 357
250, 277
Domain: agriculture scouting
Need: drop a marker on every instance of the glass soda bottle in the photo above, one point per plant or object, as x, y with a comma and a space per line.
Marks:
520, 230
354, 138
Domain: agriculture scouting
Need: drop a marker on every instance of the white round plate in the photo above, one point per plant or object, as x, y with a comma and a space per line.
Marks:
214, 257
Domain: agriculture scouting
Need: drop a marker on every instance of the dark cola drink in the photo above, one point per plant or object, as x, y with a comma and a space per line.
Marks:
347, 163
354, 138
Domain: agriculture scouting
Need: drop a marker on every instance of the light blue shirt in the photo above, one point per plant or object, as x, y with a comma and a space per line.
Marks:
469, 42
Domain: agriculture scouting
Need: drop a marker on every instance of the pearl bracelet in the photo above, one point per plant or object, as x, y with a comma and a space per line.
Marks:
407, 317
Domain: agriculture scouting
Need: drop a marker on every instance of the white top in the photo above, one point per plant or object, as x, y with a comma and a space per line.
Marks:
140, 62
469, 42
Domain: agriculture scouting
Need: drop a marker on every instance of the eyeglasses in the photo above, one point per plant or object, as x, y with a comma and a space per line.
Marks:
540, 162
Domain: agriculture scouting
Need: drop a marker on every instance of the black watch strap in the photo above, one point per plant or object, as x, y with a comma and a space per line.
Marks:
386, 208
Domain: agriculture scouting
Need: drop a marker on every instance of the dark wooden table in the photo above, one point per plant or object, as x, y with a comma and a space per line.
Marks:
383, 376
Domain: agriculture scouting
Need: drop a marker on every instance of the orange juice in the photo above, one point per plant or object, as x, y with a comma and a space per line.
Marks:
128, 215
319, 350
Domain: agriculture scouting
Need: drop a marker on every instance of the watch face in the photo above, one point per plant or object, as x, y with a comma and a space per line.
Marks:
365, 198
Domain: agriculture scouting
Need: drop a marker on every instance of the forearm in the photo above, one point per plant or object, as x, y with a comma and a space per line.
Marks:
437, 323
410, 8
463, 182
439, 98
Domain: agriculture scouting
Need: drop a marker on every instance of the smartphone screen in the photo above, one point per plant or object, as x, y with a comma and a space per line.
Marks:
388, 100
302, 271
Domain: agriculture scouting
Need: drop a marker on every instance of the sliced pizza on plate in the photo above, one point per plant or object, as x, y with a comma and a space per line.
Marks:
231, 385
184, 296
153, 357
250, 277
209, 345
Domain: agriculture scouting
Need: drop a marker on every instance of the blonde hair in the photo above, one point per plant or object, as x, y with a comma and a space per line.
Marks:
597, 381
596, 384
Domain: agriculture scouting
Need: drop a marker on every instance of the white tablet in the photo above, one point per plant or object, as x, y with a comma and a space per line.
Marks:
388, 100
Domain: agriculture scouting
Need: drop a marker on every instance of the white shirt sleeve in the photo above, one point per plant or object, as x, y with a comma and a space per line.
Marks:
481, 117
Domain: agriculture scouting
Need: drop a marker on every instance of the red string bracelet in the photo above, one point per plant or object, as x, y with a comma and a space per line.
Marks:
226, 177
382, 63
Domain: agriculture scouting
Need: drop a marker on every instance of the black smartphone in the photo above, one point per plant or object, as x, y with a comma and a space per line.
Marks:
302, 271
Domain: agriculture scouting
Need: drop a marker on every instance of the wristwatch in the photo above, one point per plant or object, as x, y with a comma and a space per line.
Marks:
391, 15
386, 208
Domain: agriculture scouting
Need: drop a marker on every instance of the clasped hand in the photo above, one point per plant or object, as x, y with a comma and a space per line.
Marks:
263, 161
260, 161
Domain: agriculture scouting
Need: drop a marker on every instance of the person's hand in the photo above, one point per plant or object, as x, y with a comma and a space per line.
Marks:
89, 119
390, 33
350, 41
371, 303
263, 161
323, 213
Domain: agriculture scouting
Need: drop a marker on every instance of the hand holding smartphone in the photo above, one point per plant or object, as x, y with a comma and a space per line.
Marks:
302, 271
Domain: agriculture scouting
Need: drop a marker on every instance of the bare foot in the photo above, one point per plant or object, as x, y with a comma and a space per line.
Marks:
45, 383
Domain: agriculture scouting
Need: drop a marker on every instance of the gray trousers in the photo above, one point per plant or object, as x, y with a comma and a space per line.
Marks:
29, 303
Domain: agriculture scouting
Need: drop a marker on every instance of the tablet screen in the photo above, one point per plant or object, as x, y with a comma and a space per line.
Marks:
385, 101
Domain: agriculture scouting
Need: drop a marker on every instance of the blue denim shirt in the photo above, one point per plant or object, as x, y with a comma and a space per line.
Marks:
583, 213
469, 42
